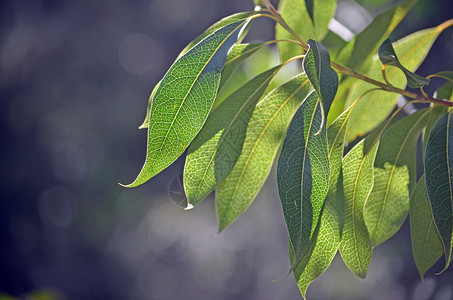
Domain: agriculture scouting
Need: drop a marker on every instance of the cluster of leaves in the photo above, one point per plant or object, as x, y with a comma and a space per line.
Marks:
331, 201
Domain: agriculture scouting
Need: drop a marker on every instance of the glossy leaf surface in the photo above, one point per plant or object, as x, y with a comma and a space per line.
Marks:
426, 243
303, 173
323, 78
184, 99
265, 134
324, 246
439, 180
388, 56
214, 152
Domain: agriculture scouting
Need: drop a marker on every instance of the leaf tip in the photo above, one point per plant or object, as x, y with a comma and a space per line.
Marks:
189, 206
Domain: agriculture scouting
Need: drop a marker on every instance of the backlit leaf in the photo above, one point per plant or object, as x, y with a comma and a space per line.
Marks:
237, 55
323, 78
265, 134
388, 204
426, 243
303, 173
388, 56
221, 23
184, 99
302, 23
217, 25
355, 245
438, 172
214, 152
394, 177
357, 52
376, 106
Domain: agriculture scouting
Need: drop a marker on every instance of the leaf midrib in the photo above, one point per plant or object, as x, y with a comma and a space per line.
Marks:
394, 168
231, 123
191, 86
304, 157
259, 139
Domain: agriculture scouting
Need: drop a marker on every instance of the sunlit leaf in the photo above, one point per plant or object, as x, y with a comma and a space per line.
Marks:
357, 52
217, 25
355, 245
214, 152
388, 57
376, 106
323, 78
394, 177
388, 204
265, 134
235, 57
221, 23
324, 245
303, 173
302, 23
438, 172
145, 123
426, 243
184, 99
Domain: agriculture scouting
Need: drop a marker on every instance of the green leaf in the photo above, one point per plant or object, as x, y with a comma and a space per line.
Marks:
338, 104
355, 245
305, 26
217, 25
395, 177
323, 78
388, 56
376, 106
184, 99
436, 112
357, 52
445, 75
445, 91
426, 243
265, 134
438, 172
214, 152
221, 23
324, 244
237, 55
145, 123
323, 248
303, 173
388, 204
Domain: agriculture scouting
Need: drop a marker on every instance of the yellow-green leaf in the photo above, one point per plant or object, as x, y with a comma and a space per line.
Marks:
355, 245
214, 152
184, 99
265, 133
375, 107
395, 177
298, 18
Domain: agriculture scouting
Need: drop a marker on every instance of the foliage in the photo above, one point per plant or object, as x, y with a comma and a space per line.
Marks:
334, 197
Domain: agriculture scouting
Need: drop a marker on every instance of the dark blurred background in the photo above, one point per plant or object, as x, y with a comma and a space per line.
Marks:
75, 77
